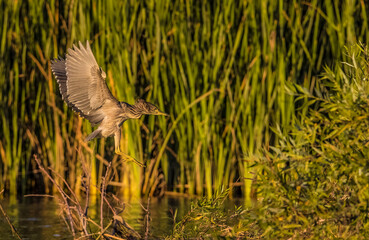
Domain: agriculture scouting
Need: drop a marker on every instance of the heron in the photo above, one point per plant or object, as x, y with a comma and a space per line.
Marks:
83, 87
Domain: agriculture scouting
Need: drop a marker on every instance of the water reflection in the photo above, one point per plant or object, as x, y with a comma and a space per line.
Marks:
39, 218
161, 210
34, 218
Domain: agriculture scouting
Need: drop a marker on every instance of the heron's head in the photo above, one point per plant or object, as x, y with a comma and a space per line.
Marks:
148, 108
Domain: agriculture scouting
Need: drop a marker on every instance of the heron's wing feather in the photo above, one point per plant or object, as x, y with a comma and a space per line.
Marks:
86, 85
82, 83
58, 68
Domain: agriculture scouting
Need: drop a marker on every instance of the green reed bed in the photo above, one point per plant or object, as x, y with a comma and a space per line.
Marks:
219, 68
314, 184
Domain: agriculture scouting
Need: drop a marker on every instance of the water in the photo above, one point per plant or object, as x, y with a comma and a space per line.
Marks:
39, 218
34, 219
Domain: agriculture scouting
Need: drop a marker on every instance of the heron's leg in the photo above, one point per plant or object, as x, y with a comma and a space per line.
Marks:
124, 156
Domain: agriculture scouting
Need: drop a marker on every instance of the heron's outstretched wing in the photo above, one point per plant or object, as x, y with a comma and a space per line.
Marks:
82, 83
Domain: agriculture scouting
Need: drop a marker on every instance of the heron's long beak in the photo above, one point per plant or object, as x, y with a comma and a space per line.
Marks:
158, 112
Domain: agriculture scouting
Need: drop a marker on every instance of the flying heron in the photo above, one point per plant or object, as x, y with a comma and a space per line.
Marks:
83, 87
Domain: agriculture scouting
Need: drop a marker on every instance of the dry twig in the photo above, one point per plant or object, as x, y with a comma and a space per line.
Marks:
14, 230
147, 219
62, 193
103, 189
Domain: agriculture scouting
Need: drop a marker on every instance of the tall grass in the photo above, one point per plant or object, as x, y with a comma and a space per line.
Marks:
314, 182
318, 186
219, 68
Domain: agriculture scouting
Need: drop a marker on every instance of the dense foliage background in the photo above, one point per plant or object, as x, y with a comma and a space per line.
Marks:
226, 71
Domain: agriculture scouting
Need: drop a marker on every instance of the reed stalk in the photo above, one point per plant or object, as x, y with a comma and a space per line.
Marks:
171, 53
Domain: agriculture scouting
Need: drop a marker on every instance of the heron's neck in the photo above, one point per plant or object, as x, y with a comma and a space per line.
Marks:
133, 111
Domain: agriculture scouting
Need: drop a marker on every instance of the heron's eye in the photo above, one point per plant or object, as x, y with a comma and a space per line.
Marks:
149, 107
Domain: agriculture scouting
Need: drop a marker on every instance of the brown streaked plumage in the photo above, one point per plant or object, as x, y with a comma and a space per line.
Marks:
83, 87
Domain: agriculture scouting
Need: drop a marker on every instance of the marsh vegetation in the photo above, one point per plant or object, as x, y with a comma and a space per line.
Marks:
268, 99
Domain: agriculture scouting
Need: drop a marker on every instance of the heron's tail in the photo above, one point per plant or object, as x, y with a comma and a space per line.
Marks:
94, 134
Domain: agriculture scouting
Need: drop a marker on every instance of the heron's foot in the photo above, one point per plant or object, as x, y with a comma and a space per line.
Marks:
127, 158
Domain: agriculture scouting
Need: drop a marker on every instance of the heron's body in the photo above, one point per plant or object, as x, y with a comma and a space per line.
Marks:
83, 87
